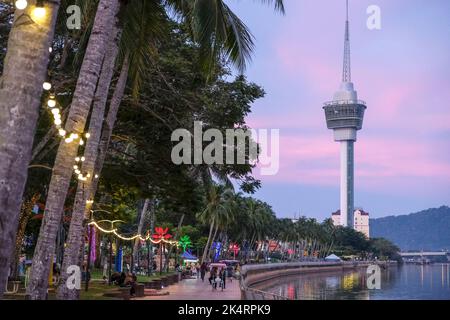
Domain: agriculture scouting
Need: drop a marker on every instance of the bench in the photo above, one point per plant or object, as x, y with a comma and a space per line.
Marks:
15, 287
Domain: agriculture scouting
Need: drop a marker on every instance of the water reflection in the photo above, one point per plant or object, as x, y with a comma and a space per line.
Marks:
402, 282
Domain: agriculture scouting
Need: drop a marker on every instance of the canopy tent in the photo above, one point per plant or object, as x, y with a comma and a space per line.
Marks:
332, 257
188, 257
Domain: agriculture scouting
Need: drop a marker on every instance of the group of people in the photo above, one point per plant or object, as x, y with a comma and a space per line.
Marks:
123, 280
218, 278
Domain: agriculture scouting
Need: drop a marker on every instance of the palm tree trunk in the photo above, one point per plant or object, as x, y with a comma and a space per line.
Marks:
110, 120
24, 71
205, 250
25, 214
62, 170
139, 231
77, 225
166, 261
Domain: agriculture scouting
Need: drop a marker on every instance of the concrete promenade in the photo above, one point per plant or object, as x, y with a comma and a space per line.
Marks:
195, 289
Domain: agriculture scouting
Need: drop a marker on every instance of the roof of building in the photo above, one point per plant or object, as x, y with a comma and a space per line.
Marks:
362, 212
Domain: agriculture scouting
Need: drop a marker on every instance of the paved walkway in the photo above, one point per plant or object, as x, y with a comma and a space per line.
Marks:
195, 289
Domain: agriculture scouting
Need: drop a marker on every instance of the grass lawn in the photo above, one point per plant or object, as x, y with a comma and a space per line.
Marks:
97, 288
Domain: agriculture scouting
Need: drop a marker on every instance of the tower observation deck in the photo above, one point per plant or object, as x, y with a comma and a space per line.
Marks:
345, 115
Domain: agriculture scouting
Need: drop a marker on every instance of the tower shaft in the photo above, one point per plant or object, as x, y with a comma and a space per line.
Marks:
347, 182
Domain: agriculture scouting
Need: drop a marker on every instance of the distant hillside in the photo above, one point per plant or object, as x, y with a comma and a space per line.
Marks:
427, 230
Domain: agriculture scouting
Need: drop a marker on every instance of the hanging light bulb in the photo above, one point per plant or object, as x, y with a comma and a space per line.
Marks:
77, 159
51, 103
87, 135
82, 159
75, 167
39, 12
80, 176
81, 142
21, 4
69, 140
88, 175
55, 111
50, 49
74, 136
96, 176
58, 122
47, 86
62, 132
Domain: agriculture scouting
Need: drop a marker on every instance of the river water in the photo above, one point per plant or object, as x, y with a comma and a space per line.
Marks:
405, 282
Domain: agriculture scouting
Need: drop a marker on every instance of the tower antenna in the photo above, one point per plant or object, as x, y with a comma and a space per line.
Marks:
346, 71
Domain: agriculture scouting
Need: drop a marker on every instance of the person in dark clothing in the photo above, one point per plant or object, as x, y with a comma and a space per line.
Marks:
203, 269
212, 277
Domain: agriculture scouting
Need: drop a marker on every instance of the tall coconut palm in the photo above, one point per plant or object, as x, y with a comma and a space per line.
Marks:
237, 43
62, 170
24, 71
218, 209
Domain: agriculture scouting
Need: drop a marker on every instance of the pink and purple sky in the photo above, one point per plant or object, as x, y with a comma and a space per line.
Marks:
402, 157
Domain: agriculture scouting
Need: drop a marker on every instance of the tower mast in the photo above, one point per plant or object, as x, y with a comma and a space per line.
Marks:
345, 116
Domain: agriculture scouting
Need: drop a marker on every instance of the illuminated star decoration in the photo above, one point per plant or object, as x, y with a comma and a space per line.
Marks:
185, 242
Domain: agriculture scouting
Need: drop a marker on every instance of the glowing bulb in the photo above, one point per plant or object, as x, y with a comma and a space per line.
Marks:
80, 176
47, 86
81, 142
82, 159
62, 132
77, 171
39, 12
55, 111
87, 135
75, 167
74, 136
58, 122
57, 116
51, 103
50, 49
21, 4
77, 159
96, 176
68, 140
88, 175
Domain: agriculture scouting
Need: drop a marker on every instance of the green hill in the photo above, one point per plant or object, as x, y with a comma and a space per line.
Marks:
424, 230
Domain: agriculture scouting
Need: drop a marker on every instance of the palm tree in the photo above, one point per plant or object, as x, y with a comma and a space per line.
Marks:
218, 209
236, 42
62, 170
24, 71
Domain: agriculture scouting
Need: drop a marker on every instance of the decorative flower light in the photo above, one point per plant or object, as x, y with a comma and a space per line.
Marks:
234, 247
161, 234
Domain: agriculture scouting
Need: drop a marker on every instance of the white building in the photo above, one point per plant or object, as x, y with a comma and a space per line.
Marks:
360, 222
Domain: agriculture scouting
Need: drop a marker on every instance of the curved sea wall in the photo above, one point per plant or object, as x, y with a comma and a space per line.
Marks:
256, 274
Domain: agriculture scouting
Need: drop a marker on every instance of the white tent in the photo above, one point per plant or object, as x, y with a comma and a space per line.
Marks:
332, 257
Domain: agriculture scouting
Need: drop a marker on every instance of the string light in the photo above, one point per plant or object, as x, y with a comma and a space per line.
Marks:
47, 86
87, 135
39, 12
132, 238
21, 4
51, 103
62, 132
